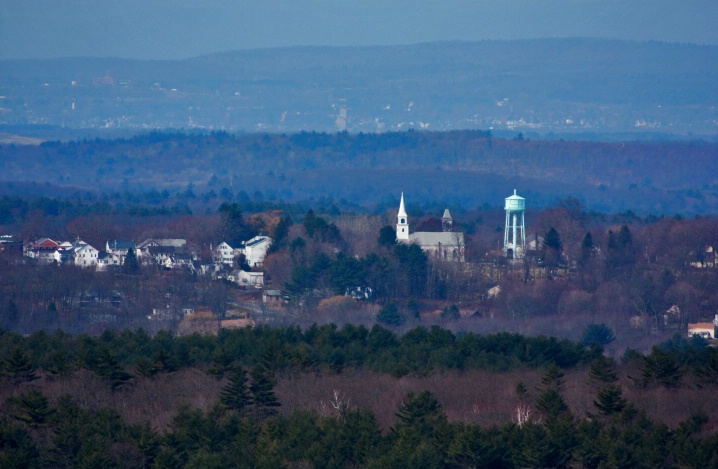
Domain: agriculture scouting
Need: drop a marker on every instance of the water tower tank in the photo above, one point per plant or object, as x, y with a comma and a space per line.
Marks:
515, 203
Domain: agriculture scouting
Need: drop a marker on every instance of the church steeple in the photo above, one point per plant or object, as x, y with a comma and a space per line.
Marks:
446, 221
402, 222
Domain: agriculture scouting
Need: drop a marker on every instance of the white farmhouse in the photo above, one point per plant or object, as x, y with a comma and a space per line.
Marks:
255, 250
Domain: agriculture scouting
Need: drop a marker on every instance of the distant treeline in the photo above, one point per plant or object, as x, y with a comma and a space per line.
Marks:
318, 348
467, 168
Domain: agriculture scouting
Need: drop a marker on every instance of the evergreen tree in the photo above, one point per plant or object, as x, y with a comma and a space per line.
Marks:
280, 234
17, 449
552, 247
232, 228
107, 367
553, 377
18, 367
610, 400
389, 315
412, 307
221, 362
602, 372
131, 265
599, 334
661, 367
262, 391
551, 403
588, 249
235, 394
422, 412
32, 408
387, 237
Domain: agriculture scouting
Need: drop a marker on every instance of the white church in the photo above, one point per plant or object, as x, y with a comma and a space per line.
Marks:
446, 245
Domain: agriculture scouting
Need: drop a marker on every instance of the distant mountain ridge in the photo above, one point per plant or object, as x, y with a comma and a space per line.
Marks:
543, 86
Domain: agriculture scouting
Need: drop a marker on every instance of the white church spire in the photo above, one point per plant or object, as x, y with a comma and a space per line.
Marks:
402, 225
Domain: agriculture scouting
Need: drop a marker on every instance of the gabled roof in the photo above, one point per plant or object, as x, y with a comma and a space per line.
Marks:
256, 240
167, 242
46, 243
430, 238
120, 244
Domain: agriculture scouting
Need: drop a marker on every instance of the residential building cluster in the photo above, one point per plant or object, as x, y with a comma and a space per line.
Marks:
163, 253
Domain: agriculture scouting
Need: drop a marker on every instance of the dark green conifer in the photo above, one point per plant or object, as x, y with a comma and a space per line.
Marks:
235, 394
32, 408
551, 404
603, 372
661, 367
107, 367
389, 315
610, 400
18, 366
131, 265
221, 362
262, 390
553, 377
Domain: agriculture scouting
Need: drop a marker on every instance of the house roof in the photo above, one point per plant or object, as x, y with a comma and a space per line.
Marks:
256, 240
46, 243
120, 244
165, 242
701, 325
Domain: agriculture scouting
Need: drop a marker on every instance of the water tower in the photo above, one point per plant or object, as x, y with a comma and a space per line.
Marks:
515, 207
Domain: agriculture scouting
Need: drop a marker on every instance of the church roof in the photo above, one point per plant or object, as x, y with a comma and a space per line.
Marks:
447, 215
430, 238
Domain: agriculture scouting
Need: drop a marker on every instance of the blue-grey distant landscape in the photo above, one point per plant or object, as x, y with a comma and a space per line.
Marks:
174, 29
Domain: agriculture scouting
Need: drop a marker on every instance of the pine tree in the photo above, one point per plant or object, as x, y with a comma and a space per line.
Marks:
603, 372
553, 377
18, 367
588, 249
221, 362
32, 408
107, 367
552, 247
661, 367
262, 390
235, 394
610, 400
551, 404
389, 315
599, 334
131, 265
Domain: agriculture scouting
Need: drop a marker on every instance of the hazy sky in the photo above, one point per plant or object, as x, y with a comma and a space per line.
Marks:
168, 29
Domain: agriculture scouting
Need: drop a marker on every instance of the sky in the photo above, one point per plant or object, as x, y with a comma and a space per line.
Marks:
175, 29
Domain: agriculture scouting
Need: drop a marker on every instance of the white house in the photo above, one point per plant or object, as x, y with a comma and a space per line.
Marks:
255, 250
119, 248
84, 255
704, 329
224, 253
250, 279
445, 245
176, 244
44, 251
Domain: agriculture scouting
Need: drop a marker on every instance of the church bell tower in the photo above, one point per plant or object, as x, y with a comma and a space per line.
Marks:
402, 222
